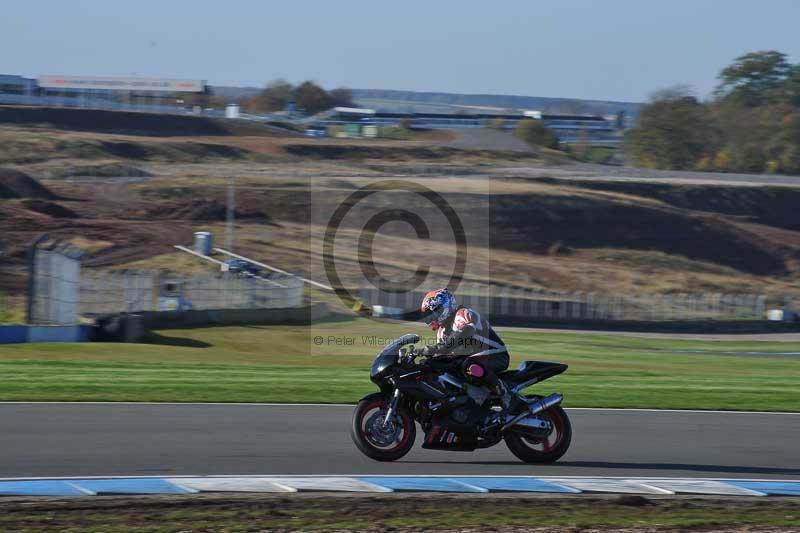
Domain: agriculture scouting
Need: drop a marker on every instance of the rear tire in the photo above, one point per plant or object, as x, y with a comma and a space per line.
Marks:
370, 437
545, 450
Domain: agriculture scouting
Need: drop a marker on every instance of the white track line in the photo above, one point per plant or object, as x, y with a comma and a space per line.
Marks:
289, 476
268, 404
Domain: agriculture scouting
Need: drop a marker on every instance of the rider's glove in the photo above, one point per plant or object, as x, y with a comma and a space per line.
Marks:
428, 351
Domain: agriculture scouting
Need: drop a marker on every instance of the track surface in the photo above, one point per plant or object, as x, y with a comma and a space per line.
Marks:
151, 439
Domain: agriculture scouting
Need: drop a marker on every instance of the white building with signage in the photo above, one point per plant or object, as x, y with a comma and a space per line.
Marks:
108, 92
143, 91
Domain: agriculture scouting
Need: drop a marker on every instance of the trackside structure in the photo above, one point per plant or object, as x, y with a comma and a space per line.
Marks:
60, 292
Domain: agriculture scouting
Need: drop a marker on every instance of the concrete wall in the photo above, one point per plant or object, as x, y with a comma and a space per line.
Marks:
225, 317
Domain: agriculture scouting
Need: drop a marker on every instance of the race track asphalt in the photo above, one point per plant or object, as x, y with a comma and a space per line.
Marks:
164, 439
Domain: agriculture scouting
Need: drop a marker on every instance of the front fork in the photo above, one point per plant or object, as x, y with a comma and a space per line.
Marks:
390, 414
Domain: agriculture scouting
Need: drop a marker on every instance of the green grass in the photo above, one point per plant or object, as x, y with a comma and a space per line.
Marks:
592, 154
393, 512
282, 364
398, 133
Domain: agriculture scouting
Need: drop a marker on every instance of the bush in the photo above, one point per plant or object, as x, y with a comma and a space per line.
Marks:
497, 124
752, 124
790, 161
534, 132
673, 133
592, 154
750, 158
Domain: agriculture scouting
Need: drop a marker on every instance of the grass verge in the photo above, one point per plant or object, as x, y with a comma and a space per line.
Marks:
283, 364
396, 513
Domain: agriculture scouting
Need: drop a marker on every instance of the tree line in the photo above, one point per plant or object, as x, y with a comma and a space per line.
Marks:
308, 97
750, 124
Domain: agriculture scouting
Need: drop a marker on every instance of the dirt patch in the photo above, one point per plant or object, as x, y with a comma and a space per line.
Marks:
49, 208
171, 151
398, 512
774, 206
539, 222
397, 153
489, 139
204, 210
16, 184
106, 170
25, 147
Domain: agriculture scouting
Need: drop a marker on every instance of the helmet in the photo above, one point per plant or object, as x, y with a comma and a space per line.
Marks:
437, 307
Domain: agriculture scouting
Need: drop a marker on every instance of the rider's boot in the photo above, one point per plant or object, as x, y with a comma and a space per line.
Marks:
506, 397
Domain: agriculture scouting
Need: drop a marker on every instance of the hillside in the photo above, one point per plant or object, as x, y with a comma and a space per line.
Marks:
128, 199
128, 122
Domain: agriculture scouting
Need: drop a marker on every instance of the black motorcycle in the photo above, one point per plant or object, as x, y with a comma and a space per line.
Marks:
454, 413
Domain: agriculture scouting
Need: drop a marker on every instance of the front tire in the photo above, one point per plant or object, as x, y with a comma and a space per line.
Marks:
548, 449
376, 440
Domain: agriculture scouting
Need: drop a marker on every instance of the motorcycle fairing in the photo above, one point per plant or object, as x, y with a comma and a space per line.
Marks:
528, 370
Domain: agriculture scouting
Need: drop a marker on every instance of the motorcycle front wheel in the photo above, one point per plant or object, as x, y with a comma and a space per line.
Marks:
547, 449
376, 439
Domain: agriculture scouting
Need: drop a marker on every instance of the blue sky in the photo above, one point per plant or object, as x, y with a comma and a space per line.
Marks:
604, 49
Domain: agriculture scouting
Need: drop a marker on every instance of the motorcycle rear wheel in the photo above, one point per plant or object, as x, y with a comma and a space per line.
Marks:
548, 449
377, 441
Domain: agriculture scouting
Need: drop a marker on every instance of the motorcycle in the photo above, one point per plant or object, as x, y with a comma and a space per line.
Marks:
454, 413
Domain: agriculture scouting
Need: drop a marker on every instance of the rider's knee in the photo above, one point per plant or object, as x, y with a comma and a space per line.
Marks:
476, 370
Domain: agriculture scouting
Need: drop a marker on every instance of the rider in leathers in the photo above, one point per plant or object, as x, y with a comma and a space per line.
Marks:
462, 332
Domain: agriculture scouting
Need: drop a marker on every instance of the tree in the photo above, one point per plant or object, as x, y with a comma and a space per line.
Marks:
674, 132
534, 132
792, 86
789, 142
311, 98
308, 96
752, 125
275, 96
341, 97
754, 79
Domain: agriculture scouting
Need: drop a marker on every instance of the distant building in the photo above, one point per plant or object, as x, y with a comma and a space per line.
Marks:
90, 91
568, 128
154, 91
16, 85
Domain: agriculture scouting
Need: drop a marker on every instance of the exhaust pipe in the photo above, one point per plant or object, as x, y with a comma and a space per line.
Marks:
535, 407
533, 426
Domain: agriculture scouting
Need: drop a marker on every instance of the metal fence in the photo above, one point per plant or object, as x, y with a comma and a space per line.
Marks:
103, 292
55, 272
59, 297
87, 102
531, 304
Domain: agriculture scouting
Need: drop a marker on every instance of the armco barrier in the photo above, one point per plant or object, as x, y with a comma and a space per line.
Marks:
21, 333
383, 484
13, 334
58, 333
164, 320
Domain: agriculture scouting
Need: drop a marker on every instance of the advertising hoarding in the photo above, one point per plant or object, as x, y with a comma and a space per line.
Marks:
119, 83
